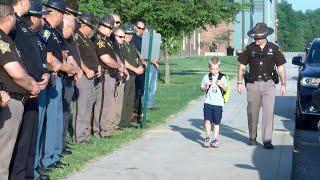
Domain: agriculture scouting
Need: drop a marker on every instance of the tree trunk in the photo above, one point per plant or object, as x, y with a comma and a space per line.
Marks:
167, 65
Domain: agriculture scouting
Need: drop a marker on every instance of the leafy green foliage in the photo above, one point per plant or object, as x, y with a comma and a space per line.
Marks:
171, 18
296, 29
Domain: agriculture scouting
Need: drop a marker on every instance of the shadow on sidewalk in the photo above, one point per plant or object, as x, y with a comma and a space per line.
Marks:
188, 133
268, 162
225, 130
285, 106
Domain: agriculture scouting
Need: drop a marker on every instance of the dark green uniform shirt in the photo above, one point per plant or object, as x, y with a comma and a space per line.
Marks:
262, 61
131, 55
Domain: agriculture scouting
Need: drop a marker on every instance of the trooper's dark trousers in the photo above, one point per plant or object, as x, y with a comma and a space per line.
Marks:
259, 94
22, 162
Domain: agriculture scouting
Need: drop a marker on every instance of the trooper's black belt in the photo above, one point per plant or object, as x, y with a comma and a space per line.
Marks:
265, 78
19, 97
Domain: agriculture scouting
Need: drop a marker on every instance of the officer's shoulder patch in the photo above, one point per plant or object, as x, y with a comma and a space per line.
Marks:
101, 44
45, 34
4, 47
76, 36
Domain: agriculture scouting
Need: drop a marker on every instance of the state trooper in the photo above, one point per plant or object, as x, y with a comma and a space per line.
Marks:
131, 57
85, 87
110, 68
264, 60
56, 57
35, 21
22, 162
18, 84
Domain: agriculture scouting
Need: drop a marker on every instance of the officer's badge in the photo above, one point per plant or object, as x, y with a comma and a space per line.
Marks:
270, 51
24, 29
45, 34
101, 44
4, 47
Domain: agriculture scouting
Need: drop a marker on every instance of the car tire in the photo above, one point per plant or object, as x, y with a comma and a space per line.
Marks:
300, 124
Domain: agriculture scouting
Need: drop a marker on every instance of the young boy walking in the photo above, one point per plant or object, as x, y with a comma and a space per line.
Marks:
214, 86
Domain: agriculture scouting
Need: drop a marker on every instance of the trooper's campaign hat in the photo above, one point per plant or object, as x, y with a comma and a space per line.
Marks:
260, 31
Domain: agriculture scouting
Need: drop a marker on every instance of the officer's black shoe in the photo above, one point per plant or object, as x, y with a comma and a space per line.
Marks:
66, 152
267, 145
252, 142
60, 164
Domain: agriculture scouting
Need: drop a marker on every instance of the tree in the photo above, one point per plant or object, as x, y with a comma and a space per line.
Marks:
174, 18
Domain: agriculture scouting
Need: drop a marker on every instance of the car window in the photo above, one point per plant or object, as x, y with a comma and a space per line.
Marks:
314, 54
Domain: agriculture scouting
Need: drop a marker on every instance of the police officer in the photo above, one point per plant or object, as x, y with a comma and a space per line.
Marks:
56, 54
35, 21
68, 27
85, 87
139, 81
17, 83
105, 89
22, 162
131, 56
262, 57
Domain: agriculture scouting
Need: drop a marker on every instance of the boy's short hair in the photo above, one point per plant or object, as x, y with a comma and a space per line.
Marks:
214, 61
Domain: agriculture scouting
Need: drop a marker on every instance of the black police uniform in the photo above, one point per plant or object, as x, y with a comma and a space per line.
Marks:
68, 88
137, 41
22, 161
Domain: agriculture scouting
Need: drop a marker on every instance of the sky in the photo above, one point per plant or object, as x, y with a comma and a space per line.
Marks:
303, 5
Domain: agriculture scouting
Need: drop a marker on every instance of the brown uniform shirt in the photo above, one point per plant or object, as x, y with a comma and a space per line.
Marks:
9, 53
87, 52
262, 61
103, 45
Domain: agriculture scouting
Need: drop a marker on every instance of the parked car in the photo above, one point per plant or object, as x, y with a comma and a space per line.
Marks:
308, 91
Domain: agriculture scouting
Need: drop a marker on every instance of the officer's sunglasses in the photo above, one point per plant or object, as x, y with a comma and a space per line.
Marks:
122, 37
140, 28
118, 22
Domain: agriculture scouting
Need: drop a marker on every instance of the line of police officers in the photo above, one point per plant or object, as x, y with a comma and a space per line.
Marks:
53, 63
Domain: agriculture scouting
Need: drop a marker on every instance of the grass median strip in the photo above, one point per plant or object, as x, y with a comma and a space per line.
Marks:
186, 75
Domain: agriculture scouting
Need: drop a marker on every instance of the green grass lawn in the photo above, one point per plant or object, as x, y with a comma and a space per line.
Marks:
186, 75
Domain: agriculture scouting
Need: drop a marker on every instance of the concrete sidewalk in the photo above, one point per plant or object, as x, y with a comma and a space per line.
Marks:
174, 151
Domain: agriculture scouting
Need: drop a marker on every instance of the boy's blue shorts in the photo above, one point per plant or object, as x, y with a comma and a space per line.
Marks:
212, 113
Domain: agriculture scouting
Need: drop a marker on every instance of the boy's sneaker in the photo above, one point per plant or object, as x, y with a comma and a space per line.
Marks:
206, 142
214, 143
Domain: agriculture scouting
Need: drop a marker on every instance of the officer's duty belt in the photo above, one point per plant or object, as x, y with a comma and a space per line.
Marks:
19, 97
264, 78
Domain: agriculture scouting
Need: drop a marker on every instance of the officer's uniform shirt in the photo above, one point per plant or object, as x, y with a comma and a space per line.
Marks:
262, 61
131, 55
26, 42
9, 53
87, 52
53, 40
103, 45
71, 46
137, 41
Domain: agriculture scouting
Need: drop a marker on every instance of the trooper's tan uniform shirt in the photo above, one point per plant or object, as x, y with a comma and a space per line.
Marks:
262, 62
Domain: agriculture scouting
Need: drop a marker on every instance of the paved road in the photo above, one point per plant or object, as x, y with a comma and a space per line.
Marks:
174, 150
306, 159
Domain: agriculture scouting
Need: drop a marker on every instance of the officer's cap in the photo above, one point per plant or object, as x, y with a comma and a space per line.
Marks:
6, 2
128, 28
72, 7
260, 31
36, 9
58, 5
88, 19
107, 20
